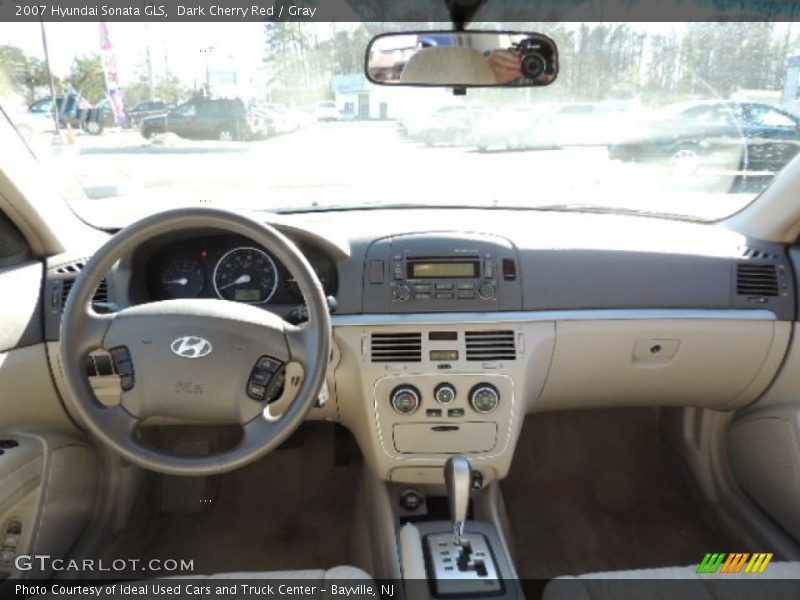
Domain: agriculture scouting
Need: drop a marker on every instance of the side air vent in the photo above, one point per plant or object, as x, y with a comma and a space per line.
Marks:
100, 300
757, 253
756, 280
71, 269
491, 345
396, 347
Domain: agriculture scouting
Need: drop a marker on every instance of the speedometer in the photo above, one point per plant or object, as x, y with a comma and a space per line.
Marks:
245, 275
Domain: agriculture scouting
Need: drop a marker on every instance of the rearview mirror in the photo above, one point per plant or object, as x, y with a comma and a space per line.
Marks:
462, 59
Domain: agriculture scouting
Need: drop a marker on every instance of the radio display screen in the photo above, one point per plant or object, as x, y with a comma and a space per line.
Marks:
443, 270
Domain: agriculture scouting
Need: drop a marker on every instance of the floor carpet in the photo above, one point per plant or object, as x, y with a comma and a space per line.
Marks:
291, 510
599, 490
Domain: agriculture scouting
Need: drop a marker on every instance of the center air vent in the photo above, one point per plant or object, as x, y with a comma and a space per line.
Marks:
491, 345
756, 280
396, 347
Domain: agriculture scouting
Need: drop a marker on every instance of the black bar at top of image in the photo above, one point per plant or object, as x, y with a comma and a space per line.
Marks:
504, 11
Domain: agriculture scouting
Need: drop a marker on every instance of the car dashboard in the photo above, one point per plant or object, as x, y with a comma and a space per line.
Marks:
445, 339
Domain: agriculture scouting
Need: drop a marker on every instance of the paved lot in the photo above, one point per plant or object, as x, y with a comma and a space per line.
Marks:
361, 162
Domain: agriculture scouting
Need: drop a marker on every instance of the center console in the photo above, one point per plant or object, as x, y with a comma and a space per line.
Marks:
434, 379
437, 365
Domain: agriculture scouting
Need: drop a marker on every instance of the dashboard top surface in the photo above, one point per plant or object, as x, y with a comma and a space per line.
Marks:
566, 260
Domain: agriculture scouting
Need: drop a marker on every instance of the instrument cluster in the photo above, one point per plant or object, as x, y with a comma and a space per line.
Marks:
230, 268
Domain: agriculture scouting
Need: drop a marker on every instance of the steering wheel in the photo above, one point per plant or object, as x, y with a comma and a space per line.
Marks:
196, 359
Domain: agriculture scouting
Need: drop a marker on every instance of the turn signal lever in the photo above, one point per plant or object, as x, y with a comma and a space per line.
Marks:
299, 314
457, 477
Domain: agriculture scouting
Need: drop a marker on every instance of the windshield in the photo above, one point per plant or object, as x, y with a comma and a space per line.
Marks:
689, 120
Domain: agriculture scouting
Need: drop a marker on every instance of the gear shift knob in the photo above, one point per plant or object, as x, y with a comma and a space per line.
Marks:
457, 479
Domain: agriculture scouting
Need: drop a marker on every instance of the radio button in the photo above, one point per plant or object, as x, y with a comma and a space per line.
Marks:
376, 271
487, 290
444, 295
401, 292
466, 286
465, 294
423, 296
425, 288
444, 286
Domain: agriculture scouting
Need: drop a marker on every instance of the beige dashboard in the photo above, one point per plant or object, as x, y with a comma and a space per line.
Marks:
547, 312
543, 362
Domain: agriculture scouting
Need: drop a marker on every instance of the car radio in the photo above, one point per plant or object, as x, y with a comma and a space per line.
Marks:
443, 278
430, 272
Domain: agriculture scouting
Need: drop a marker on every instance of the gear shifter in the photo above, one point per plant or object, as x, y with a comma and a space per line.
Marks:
457, 477
461, 564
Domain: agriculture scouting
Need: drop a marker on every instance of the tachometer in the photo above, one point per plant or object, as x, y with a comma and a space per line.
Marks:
182, 278
245, 275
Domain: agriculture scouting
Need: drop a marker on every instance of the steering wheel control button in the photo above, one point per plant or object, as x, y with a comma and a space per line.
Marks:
255, 391
269, 364
121, 357
484, 398
405, 399
444, 393
275, 385
266, 379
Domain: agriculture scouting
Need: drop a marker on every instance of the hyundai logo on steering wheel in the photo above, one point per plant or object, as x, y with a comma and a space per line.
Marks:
191, 346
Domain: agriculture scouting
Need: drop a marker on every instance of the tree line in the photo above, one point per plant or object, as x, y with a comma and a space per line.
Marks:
599, 61
27, 77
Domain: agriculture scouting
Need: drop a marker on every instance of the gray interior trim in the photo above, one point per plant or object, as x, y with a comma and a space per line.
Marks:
549, 315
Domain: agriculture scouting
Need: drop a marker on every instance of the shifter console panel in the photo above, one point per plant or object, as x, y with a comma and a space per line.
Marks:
462, 570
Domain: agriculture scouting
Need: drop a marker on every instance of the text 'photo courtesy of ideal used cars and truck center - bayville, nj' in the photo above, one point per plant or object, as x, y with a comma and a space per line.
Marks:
400, 299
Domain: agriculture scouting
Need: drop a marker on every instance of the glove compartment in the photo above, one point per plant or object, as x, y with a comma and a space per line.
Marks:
718, 363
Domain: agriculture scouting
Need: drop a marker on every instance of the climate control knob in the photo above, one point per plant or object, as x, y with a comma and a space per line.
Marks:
444, 393
405, 399
402, 292
484, 398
